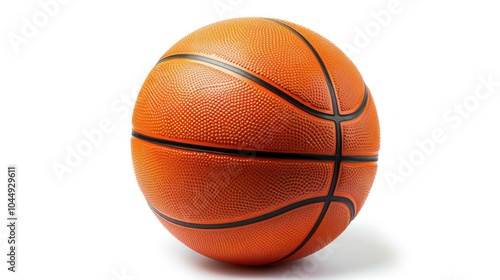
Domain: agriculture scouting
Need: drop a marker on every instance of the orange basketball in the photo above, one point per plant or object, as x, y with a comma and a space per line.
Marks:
255, 141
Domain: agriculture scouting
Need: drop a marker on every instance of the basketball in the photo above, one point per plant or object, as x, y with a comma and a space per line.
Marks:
255, 141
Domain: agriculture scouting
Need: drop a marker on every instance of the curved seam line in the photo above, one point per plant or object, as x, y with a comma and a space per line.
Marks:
274, 89
337, 119
218, 62
254, 220
250, 153
331, 88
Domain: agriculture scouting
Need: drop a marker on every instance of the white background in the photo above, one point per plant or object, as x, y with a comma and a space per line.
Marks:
83, 65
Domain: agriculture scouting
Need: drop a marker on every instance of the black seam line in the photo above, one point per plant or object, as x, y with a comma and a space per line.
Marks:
250, 153
275, 90
338, 137
253, 78
256, 219
331, 88
347, 202
337, 116
322, 215
357, 112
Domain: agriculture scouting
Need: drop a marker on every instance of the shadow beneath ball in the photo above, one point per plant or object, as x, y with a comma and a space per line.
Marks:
358, 250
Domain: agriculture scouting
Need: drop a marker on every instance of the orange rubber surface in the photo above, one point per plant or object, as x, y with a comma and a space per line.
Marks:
221, 125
